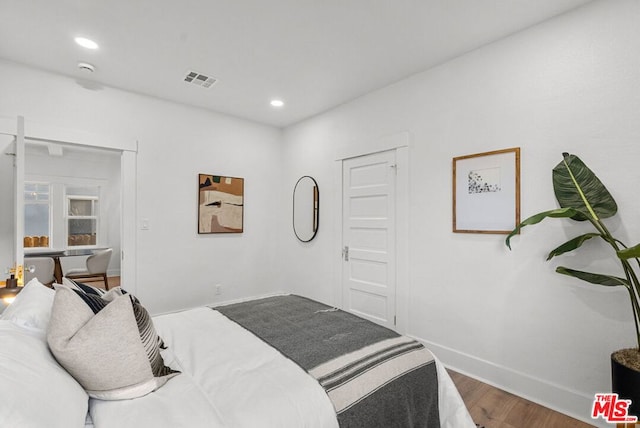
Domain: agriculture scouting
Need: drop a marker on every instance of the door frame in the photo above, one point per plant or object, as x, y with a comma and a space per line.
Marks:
399, 142
24, 129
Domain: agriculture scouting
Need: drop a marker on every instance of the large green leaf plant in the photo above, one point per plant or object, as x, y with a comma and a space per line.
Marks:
583, 197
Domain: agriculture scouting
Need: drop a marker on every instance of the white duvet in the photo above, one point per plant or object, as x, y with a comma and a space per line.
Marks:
230, 378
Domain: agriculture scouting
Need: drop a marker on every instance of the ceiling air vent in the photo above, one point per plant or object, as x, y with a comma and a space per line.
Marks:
199, 79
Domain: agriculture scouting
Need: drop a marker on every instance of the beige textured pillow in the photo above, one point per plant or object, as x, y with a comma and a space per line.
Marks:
107, 343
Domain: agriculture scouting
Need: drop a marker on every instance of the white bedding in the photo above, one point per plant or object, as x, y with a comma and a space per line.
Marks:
230, 378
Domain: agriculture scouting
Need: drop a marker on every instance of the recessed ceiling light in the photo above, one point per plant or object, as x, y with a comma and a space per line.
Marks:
86, 43
277, 103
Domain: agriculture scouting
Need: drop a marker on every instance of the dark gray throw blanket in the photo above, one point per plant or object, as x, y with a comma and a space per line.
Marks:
373, 376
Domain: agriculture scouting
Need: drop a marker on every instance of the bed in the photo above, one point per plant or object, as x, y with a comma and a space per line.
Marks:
282, 361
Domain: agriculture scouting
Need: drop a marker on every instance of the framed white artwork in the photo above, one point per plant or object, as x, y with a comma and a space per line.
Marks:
486, 192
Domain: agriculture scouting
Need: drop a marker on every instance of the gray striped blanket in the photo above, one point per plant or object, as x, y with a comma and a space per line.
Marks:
373, 376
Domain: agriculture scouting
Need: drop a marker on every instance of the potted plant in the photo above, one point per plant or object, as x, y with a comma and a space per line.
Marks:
583, 197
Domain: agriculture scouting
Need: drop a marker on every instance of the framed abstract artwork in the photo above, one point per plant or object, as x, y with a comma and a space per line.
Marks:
220, 204
486, 192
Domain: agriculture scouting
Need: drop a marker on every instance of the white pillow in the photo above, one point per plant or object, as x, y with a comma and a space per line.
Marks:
35, 390
107, 343
32, 307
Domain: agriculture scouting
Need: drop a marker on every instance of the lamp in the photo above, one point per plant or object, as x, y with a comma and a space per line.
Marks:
12, 285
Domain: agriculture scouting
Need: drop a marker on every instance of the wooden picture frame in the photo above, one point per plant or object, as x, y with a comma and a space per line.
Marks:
220, 204
486, 192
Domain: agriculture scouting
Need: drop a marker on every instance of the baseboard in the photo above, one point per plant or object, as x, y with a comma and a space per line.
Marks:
223, 303
246, 299
570, 402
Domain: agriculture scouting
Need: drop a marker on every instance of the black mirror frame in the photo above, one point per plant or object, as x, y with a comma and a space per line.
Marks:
316, 209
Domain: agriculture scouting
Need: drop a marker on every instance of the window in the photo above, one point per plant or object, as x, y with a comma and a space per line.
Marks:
37, 214
63, 213
83, 215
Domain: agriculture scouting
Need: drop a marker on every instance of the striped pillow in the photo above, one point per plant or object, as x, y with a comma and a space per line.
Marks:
107, 343
95, 291
75, 285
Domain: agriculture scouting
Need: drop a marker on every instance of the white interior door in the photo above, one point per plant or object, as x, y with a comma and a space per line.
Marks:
369, 237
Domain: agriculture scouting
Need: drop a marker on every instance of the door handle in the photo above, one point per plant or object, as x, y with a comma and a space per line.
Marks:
345, 253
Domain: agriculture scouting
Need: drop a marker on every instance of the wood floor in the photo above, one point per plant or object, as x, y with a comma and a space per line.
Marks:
491, 407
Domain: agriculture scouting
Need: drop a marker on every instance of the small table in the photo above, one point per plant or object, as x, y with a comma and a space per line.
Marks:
56, 254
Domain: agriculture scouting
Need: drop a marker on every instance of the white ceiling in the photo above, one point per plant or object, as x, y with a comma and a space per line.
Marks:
313, 54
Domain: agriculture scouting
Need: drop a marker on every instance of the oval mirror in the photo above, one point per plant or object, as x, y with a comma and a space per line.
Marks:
306, 206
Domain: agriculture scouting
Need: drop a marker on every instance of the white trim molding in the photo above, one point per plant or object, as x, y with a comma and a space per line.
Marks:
24, 129
400, 142
548, 394
51, 133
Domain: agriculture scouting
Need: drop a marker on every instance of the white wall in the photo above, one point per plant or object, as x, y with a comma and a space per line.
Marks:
570, 84
176, 267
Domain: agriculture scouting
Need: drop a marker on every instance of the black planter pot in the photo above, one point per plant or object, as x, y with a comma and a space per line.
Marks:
626, 383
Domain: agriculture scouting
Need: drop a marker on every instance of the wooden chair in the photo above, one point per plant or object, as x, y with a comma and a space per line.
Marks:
97, 264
